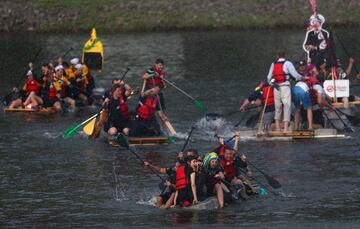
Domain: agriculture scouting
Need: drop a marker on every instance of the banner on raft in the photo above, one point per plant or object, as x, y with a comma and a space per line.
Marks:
93, 52
342, 88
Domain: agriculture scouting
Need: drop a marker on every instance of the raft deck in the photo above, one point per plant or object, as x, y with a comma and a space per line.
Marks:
161, 140
40, 110
306, 134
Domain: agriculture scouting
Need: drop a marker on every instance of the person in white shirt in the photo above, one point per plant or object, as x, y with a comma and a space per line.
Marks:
279, 75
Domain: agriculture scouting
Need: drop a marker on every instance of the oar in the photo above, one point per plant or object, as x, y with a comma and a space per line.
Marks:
353, 119
123, 141
271, 180
123, 76
188, 138
7, 98
197, 103
346, 127
260, 183
166, 122
214, 116
72, 131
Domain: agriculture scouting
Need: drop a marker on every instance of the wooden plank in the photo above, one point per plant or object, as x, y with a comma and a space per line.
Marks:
41, 110
287, 134
342, 104
144, 141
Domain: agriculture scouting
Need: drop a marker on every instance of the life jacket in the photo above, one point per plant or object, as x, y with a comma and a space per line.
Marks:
270, 100
124, 107
146, 111
278, 73
311, 81
182, 181
156, 80
229, 169
52, 91
32, 85
222, 150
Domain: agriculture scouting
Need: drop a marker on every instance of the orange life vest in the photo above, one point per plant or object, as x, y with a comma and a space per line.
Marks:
182, 181
32, 85
146, 111
270, 100
278, 73
124, 107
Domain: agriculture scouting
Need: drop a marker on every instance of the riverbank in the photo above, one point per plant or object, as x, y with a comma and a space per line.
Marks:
163, 15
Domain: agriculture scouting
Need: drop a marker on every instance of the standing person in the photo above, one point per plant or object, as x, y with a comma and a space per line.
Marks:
315, 43
154, 79
279, 75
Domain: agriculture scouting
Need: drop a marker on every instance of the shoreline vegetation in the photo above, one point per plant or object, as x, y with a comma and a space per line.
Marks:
112, 16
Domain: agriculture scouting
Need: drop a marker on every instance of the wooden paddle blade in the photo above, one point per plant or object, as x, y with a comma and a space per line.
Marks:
272, 182
171, 139
170, 127
123, 141
200, 106
71, 132
89, 128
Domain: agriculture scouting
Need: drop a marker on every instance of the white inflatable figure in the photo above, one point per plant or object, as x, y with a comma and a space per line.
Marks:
316, 39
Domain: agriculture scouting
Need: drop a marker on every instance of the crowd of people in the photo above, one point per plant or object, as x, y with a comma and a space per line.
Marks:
221, 173
58, 85
305, 97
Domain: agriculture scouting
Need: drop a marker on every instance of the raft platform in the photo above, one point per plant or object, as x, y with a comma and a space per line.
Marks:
149, 141
27, 110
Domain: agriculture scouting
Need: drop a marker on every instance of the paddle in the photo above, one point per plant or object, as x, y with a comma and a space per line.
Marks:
166, 122
197, 103
188, 138
353, 119
252, 121
346, 127
260, 183
123, 141
271, 180
7, 99
72, 131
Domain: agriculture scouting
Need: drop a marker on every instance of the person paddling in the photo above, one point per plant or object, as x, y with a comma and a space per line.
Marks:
119, 117
279, 75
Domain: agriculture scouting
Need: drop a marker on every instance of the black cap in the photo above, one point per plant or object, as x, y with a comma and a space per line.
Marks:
302, 62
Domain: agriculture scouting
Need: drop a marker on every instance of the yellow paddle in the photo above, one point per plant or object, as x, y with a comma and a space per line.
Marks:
89, 128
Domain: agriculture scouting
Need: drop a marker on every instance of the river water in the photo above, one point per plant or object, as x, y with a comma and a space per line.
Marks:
48, 181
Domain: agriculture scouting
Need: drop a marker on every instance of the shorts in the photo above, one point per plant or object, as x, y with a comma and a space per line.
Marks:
301, 97
119, 125
269, 118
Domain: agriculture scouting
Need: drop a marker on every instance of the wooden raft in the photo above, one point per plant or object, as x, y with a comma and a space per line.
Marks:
40, 110
162, 140
294, 134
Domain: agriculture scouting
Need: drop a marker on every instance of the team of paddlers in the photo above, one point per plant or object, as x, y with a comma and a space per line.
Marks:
221, 173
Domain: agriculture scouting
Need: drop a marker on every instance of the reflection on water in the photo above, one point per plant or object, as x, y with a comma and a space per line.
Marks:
49, 181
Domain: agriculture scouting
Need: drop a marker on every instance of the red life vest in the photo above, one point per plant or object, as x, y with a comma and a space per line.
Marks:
278, 73
124, 107
270, 100
146, 111
32, 85
311, 81
222, 150
182, 181
52, 91
150, 83
229, 169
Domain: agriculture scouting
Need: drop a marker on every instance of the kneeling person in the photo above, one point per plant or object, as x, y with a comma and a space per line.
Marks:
119, 118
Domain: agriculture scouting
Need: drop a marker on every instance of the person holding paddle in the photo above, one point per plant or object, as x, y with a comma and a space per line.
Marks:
263, 94
154, 79
119, 117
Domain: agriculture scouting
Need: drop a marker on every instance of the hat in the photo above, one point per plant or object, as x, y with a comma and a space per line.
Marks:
74, 61
229, 144
29, 73
78, 66
59, 67
302, 62
309, 68
317, 18
213, 156
190, 158
45, 65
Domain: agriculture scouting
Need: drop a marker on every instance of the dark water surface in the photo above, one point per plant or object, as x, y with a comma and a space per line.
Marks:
47, 181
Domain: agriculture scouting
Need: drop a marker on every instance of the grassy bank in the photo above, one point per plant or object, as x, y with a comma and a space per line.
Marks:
164, 15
